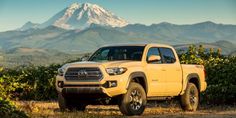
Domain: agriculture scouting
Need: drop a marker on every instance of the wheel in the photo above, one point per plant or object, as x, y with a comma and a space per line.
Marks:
70, 104
190, 99
62, 102
134, 101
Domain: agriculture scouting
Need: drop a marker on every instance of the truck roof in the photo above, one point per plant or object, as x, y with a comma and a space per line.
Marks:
139, 44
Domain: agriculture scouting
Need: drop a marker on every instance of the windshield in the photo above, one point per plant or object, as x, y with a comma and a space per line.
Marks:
118, 53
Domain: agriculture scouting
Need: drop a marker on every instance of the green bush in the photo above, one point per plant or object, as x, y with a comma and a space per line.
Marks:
220, 74
221, 81
8, 110
41, 81
29, 83
10, 83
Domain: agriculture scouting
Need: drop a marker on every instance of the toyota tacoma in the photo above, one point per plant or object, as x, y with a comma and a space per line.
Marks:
129, 76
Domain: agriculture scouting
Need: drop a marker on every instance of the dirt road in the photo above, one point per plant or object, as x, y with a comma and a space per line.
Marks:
50, 109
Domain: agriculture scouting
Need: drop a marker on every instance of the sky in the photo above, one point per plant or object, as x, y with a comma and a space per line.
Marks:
15, 13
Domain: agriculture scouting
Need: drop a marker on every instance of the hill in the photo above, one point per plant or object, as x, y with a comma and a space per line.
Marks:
34, 56
226, 46
89, 39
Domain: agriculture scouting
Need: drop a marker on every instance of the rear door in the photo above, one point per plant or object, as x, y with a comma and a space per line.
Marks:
172, 71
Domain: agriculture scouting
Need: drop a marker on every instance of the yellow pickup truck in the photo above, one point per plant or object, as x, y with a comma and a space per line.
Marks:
129, 76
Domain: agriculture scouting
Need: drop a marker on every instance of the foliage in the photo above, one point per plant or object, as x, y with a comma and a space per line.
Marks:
29, 82
8, 110
221, 81
220, 74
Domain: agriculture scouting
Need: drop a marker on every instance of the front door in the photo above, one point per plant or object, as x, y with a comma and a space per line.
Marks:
155, 73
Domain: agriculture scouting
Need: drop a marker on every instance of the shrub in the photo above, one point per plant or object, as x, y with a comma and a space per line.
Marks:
220, 74
29, 83
221, 81
8, 110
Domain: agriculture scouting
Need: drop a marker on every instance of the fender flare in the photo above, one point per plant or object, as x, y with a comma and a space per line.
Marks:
135, 75
185, 82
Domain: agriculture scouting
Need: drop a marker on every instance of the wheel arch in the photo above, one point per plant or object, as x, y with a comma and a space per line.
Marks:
140, 78
192, 78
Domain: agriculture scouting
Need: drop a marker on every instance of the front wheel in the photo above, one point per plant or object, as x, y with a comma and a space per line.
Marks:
134, 101
62, 102
190, 99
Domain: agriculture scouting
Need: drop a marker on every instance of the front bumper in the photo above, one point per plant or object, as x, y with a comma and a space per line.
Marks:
92, 89
84, 92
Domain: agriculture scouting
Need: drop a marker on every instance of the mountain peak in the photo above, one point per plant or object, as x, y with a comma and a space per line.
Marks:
81, 16
87, 4
29, 22
74, 6
206, 23
28, 25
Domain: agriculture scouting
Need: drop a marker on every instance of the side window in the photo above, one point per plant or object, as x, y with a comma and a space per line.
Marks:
153, 51
167, 55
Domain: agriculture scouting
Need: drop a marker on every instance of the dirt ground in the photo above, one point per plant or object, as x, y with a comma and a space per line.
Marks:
154, 110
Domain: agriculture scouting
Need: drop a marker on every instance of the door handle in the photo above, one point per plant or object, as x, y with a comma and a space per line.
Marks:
163, 69
155, 80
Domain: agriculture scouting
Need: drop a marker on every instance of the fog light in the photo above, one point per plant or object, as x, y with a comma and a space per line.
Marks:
112, 84
60, 84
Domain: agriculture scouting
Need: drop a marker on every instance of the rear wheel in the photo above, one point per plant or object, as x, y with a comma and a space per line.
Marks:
190, 99
134, 101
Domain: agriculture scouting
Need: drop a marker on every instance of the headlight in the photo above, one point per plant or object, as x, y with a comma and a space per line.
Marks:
116, 70
61, 71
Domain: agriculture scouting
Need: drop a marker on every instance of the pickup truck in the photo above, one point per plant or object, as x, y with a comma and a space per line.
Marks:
129, 76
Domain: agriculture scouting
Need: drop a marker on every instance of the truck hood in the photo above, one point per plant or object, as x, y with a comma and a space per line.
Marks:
109, 64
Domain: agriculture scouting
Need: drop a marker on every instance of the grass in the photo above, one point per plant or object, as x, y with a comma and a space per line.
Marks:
51, 110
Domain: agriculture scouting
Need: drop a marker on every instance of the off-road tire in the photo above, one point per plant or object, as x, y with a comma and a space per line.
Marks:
62, 102
134, 101
190, 99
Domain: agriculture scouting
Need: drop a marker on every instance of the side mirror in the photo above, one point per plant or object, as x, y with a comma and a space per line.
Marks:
154, 58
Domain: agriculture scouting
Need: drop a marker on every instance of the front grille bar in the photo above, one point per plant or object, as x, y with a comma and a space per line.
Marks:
83, 74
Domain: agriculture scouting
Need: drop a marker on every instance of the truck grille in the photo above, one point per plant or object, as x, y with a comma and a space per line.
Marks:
83, 74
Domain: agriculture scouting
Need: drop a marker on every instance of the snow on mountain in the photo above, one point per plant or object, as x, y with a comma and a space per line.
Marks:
80, 16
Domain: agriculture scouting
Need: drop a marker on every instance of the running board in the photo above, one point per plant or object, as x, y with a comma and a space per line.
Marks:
160, 98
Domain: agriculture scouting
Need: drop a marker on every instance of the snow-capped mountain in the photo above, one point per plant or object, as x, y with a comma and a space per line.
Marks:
80, 16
